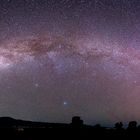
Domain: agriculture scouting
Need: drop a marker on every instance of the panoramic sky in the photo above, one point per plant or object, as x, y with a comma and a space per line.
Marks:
61, 58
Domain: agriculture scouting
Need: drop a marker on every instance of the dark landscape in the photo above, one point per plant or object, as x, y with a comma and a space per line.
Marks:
20, 129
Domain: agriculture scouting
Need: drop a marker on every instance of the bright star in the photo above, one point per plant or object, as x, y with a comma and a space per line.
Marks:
65, 103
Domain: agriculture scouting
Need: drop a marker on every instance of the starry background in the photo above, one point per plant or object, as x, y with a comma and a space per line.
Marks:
60, 58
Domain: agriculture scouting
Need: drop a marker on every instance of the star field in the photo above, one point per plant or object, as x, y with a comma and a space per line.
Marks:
64, 58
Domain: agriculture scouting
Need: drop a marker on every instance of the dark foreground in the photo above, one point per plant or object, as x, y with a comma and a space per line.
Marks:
42, 134
27, 130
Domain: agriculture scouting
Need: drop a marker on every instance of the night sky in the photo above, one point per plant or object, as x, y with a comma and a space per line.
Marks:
60, 58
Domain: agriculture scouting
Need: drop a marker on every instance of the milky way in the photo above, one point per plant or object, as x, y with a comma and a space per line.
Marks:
66, 58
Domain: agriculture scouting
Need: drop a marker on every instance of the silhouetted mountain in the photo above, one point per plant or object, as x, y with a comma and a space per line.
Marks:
11, 122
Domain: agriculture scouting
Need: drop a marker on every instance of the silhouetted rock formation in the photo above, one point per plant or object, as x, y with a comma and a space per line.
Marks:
77, 122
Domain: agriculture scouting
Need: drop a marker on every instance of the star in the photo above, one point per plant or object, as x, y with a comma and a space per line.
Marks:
65, 103
36, 85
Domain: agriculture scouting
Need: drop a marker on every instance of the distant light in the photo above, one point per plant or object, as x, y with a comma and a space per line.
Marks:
65, 103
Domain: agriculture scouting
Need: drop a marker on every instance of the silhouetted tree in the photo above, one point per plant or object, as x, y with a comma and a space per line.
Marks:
119, 125
132, 125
